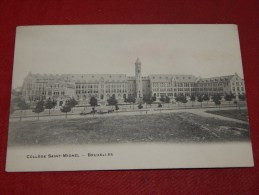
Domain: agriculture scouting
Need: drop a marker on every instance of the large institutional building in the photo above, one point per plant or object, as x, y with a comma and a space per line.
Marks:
102, 86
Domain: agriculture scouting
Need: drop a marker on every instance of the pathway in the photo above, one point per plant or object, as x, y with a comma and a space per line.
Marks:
203, 113
198, 111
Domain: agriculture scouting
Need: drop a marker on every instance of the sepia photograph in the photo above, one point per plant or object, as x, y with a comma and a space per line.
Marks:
109, 97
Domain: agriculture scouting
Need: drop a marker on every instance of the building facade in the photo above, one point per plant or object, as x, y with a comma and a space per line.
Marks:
83, 86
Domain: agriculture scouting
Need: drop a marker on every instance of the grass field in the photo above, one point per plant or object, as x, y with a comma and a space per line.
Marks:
236, 114
164, 127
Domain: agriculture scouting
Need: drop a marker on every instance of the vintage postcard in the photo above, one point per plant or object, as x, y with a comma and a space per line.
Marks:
109, 97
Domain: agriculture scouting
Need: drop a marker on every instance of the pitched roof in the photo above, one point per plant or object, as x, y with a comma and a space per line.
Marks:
216, 79
95, 78
160, 77
185, 78
170, 77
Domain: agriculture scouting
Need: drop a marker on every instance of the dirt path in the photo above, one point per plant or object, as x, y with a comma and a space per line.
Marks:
197, 111
203, 113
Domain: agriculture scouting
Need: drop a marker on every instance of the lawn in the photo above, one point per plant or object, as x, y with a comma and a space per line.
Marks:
164, 127
235, 114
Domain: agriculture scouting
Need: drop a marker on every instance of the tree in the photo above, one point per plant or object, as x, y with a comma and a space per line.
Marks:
206, 98
54, 103
93, 101
162, 99
112, 101
117, 108
66, 108
15, 99
49, 104
147, 100
140, 106
232, 95
160, 106
200, 99
242, 97
178, 98
126, 100
22, 105
217, 102
16, 93
184, 100
93, 111
193, 98
73, 102
236, 103
216, 99
39, 108
181, 98
167, 99
132, 100
153, 98
229, 97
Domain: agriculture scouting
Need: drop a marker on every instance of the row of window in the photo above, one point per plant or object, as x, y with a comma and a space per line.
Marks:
237, 83
36, 92
42, 87
168, 84
55, 93
102, 96
211, 84
91, 86
237, 89
210, 89
172, 89
172, 94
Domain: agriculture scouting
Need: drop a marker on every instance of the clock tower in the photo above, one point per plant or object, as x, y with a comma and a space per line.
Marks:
138, 76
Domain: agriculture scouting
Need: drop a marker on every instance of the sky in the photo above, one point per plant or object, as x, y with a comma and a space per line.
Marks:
200, 50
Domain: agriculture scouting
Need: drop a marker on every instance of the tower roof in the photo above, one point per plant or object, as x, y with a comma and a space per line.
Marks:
138, 61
